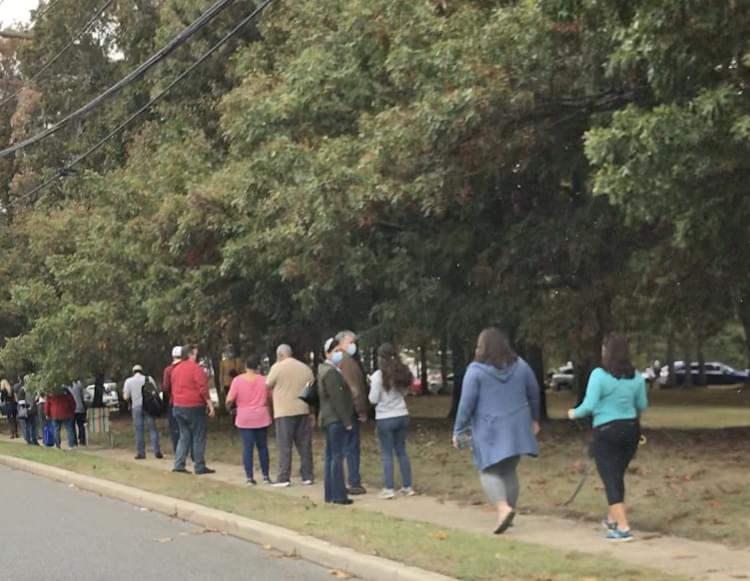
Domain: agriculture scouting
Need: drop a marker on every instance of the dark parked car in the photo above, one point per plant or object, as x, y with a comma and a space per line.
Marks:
716, 374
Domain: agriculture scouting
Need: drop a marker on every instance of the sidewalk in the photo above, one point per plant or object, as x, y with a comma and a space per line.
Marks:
699, 560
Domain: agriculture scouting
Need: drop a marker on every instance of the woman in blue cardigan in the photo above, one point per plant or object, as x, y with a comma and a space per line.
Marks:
616, 398
499, 409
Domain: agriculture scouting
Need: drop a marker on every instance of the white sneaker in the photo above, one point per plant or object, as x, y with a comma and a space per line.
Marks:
386, 494
286, 484
407, 491
307, 483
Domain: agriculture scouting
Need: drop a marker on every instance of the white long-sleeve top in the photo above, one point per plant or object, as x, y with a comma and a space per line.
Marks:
388, 404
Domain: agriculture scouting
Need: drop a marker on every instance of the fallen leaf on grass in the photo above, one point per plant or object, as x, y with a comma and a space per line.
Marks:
340, 574
164, 540
439, 535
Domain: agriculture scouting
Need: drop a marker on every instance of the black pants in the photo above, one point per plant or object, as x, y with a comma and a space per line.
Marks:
614, 446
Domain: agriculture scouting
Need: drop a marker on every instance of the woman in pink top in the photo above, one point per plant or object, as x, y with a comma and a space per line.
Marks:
253, 416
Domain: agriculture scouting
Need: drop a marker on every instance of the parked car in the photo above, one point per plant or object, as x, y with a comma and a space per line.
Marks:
562, 378
717, 373
111, 396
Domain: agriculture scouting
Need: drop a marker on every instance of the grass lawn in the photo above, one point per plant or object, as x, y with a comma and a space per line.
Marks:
690, 479
455, 553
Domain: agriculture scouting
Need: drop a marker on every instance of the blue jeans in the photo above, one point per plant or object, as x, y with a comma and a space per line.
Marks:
29, 430
192, 422
392, 435
333, 469
139, 417
81, 427
250, 439
69, 428
352, 454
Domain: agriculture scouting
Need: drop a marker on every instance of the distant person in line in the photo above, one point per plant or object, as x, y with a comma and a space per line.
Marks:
294, 421
388, 386
499, 411
30, 403
10, 407
616, 398
352, 371
191, 402
249, 391
98, 400
166, 390
132, 391
76, 390
59, 406
337, 418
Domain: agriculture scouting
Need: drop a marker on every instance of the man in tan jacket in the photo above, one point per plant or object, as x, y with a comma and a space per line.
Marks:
355, 378
287, 378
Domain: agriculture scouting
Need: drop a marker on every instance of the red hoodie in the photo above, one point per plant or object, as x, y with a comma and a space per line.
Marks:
60, 407
189, 385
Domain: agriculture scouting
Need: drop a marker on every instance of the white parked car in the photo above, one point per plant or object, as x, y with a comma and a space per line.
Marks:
563, 378
111, 398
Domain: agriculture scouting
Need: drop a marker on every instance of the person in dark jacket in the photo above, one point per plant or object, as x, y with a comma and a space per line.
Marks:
499, 407
336, 417
60, 408
29, 400
10, 407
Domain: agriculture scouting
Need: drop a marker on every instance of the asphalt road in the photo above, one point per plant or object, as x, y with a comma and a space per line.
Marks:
54, 532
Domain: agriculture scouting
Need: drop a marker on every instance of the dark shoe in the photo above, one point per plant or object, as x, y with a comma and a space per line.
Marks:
159, 456
140, 457
180, 471
206, 471
344, 501
251, 482
356, 490
506, 524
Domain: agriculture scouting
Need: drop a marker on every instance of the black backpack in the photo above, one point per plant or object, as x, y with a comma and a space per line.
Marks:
152, 403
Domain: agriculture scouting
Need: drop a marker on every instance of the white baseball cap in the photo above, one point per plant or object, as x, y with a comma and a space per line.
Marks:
137, 368
176, 352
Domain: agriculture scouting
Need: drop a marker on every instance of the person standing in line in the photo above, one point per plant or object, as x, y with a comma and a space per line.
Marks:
337, 418
355, 379
133, 391
76, 390
287, 379
10, 407
166, 390
253, 399
98, 401
499, 408
388, 386
30, 401
616, 398
59, 406
191, 398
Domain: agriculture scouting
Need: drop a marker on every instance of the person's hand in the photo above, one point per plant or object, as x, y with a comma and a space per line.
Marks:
211, 410
362, 418
571, 414
535, 427
454, 442
311, 418
349, 428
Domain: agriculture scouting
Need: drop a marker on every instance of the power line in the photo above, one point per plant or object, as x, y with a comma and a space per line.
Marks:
46, 9
68, 168
201, 22
57, 57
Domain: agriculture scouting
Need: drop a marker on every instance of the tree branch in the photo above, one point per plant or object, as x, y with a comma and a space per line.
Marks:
16, 34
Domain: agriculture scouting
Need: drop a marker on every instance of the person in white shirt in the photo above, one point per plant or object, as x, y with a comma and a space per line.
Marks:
388, 385
133, 391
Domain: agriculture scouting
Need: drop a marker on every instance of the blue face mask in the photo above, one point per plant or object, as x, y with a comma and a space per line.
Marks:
352, 349
337, 357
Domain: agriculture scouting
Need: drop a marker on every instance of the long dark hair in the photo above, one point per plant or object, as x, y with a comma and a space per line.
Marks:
395, 372
493, 348
616, 356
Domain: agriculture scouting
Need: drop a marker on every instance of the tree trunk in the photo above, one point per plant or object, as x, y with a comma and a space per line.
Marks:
535, 359
743, 308
701, 361
444, 363
216, 365
423, 375
459, 369
688, 368
670, 359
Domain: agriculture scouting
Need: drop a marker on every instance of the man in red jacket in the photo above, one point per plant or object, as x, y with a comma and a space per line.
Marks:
60, 408
190, 398
166, 390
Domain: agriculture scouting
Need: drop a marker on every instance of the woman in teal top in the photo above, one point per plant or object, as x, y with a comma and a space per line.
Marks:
616, 398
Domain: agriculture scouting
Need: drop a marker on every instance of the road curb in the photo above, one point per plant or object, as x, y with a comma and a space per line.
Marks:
290, 542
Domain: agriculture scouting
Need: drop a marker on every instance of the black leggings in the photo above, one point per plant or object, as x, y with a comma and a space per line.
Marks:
613, 448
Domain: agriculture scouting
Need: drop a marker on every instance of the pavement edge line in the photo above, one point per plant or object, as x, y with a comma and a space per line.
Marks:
306, 547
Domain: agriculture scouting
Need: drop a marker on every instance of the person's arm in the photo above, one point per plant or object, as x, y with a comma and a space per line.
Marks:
166, 381
340, 397
376, 388
126, 391
273, 376
641, 398
467, 405
593, 395
532, 392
